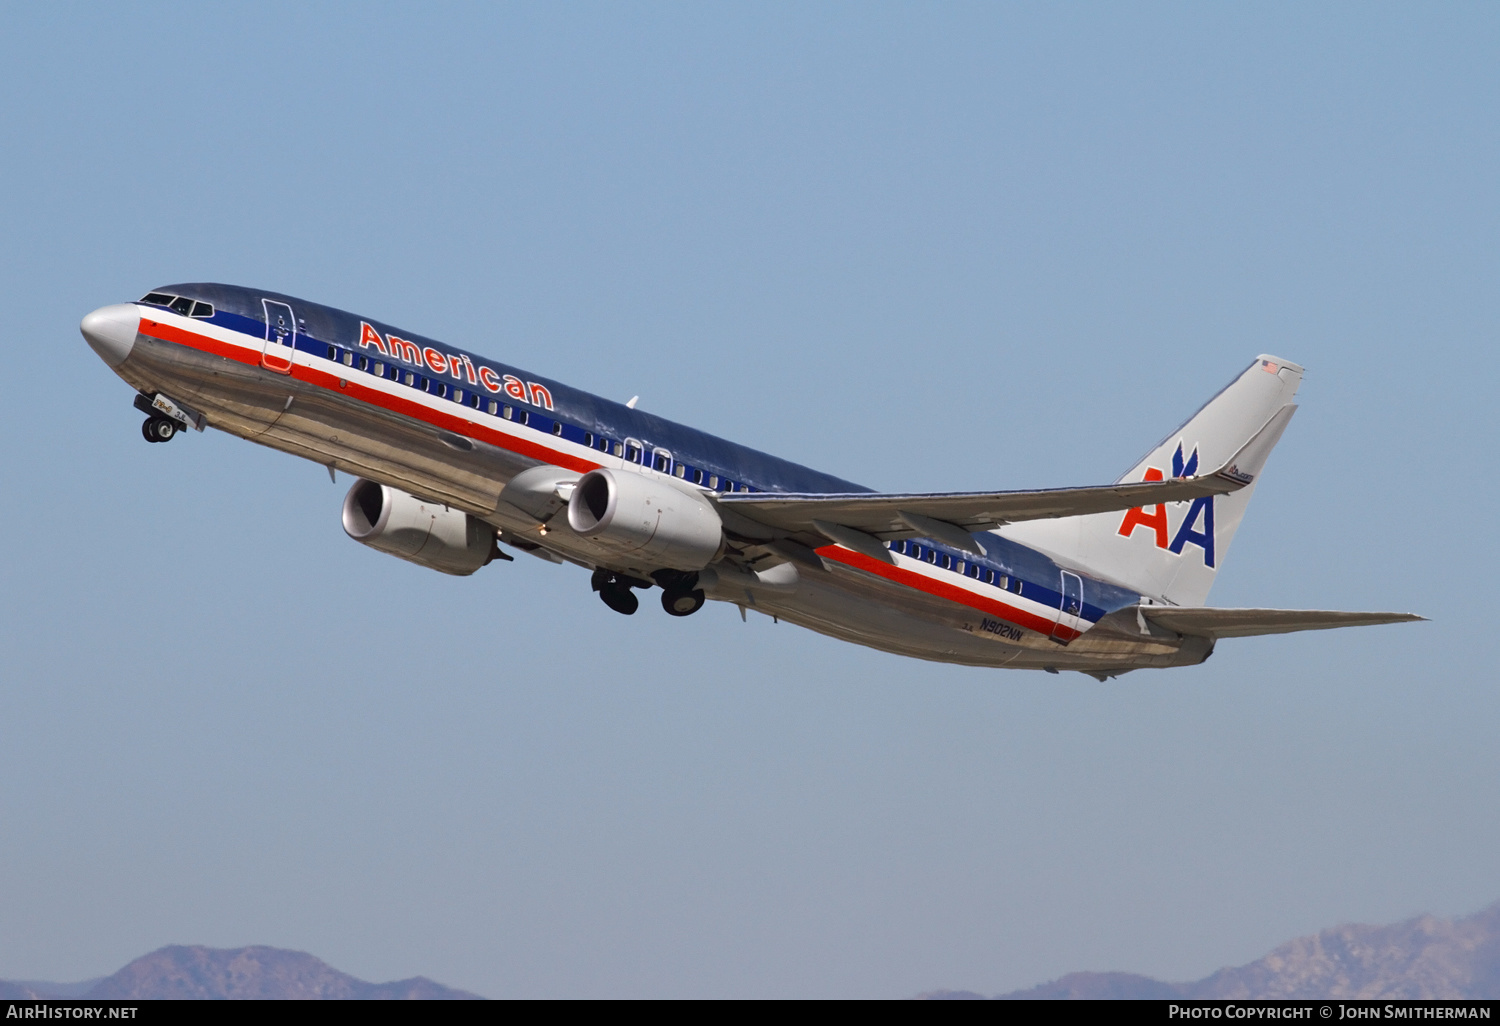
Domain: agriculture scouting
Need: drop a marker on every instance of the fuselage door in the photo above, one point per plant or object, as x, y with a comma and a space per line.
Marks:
281, 337
1069, 605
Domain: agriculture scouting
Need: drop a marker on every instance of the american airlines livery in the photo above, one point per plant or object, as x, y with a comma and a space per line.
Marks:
456, 454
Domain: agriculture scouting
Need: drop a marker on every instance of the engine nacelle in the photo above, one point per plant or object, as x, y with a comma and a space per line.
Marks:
645, 520
426, 533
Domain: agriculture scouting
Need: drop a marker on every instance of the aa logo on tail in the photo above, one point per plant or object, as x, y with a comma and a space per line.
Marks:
1188, 531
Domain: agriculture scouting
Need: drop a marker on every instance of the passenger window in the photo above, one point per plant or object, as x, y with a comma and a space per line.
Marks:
474, 401
378, 369
659, 463
437, 388
411, 379
494, 406
458, 395
932, 556
333, 352
681, 471
522, 417
632, 454
588, 439
619, 449
348, 358
182, 305
364, 363
158, 299
508, 413
557, 427
713, 481
203, 310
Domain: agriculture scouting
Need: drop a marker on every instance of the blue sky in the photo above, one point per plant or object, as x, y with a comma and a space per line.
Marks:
919, 246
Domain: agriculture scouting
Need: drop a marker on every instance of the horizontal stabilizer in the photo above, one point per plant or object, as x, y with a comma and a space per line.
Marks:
1207, 622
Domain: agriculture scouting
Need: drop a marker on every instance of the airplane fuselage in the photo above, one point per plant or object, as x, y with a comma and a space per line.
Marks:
452, 427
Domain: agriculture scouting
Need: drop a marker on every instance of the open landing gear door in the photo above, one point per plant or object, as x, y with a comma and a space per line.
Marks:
281, 337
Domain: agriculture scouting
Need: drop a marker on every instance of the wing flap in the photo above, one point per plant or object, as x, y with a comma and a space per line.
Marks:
1209, 622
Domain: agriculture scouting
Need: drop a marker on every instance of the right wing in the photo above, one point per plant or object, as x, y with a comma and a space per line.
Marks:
865, 521
880, 513
1209, 622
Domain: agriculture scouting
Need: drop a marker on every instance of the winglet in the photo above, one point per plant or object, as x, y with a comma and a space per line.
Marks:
1242, 467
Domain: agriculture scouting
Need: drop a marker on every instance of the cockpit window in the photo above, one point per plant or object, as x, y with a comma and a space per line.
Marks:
182, 305
203, 309
158, 299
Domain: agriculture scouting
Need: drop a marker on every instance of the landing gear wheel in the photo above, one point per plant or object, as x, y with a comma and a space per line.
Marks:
620, 598
159, 429
682, 603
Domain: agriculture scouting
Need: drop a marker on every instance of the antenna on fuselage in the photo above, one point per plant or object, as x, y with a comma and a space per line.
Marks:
633, 400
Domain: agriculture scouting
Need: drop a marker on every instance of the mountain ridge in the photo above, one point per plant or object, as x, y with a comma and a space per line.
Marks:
195, 972
1419, 958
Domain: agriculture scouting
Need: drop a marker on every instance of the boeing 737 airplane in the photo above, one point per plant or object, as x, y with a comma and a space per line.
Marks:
456, 454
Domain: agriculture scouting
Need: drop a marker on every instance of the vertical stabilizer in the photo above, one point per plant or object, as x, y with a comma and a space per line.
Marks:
1171, 552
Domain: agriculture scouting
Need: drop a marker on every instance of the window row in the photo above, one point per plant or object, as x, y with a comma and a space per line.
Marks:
957, 564
628, 449
179, 304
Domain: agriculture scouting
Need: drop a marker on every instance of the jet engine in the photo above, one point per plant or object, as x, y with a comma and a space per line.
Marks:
427, 533
645, 521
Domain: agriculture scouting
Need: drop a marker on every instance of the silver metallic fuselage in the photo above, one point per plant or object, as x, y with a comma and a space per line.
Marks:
317, 418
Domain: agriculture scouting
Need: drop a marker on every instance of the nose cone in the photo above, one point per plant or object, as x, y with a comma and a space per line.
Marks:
111, 331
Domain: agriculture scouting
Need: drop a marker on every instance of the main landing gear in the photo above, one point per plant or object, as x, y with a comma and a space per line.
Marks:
159, 429
680, 594
682, 601
615, 591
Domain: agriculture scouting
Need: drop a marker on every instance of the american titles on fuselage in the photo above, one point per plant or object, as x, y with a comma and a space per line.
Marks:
459, 366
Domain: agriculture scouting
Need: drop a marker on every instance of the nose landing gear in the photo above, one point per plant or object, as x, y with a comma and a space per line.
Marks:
158, 429
165, 418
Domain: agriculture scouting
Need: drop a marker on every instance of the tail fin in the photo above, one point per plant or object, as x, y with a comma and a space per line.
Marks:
1172, 551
